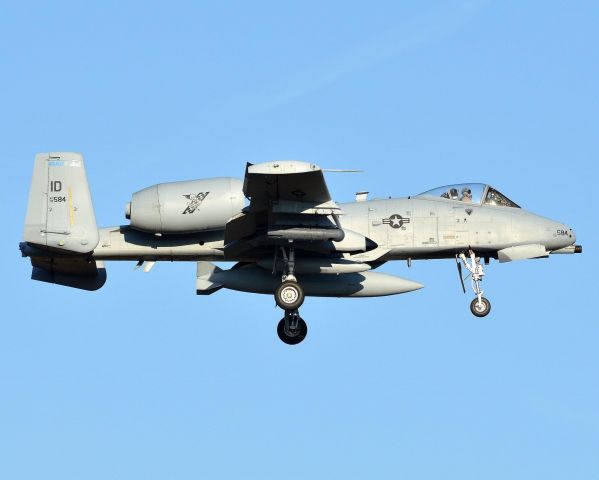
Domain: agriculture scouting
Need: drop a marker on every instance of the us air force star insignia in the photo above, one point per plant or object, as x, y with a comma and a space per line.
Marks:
194, 201
396, 221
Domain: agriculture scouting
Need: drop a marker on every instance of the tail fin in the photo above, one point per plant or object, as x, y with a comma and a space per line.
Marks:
60, 214
60, 227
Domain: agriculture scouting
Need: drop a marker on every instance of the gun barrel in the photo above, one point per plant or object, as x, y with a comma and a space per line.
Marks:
569, 249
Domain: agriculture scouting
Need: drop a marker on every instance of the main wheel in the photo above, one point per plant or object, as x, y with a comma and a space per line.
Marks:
292, 336
480, 310
289, 295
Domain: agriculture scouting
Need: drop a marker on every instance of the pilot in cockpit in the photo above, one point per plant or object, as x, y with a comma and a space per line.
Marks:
466, 195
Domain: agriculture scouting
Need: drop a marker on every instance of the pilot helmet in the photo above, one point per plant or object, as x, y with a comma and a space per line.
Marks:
466, 190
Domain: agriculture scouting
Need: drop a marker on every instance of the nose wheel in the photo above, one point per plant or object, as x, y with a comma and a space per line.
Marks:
480, 306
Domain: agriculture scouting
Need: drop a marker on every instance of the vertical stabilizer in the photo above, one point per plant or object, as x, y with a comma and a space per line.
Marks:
60, 214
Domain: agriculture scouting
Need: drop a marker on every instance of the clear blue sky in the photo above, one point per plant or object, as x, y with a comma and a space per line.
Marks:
145, 380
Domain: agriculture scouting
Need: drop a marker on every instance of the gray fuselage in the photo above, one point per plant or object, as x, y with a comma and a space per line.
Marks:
416, 228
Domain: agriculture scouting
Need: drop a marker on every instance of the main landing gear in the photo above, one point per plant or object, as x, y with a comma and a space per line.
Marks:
289, 296
292, 329
480, 306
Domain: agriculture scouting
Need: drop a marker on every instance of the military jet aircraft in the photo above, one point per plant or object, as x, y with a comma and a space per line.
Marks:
280, 226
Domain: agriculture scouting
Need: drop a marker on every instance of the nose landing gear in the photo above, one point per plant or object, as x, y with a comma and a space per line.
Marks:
480, 306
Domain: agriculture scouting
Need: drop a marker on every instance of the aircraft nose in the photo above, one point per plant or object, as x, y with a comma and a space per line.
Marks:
567, 233
564, 240
564, 235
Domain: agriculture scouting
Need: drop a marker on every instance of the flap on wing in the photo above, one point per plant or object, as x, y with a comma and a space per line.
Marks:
289, 186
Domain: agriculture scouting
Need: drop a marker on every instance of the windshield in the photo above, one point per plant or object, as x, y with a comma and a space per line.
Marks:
494, 197
477, 193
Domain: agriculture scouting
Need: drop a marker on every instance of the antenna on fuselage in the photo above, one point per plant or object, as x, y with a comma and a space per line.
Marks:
362, 196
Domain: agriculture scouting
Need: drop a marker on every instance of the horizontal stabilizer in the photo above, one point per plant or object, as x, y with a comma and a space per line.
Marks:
205, 283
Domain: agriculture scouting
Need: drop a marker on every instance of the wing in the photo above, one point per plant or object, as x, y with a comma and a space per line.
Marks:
289, 201
288, 187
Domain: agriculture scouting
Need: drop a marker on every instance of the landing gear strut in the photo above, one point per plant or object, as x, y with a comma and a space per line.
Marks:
480, 306
289, 296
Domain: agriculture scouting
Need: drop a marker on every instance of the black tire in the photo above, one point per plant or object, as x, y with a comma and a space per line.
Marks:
476, 309
289, 295
295, 337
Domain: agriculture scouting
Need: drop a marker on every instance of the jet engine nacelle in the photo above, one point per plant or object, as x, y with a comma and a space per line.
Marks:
186, 207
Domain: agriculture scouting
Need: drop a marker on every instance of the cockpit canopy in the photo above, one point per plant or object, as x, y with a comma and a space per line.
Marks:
475, 193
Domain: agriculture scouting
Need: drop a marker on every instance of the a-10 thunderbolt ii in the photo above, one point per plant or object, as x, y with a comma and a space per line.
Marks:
280, 226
